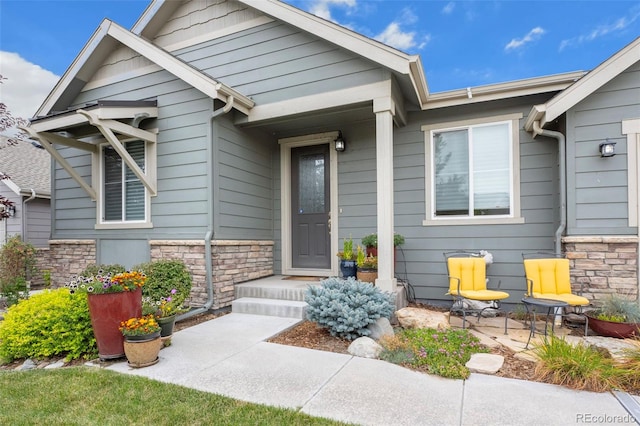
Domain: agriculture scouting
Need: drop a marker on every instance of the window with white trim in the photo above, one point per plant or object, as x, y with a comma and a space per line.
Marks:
473, 171
124, 196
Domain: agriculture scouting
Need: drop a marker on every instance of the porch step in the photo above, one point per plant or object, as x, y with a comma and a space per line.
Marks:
275, 288
270, 307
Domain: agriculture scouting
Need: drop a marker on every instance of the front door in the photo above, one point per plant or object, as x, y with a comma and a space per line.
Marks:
310, 207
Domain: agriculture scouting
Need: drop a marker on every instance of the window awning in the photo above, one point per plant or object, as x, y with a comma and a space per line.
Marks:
112, 120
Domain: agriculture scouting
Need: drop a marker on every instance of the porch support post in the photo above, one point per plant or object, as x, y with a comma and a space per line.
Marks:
384, 108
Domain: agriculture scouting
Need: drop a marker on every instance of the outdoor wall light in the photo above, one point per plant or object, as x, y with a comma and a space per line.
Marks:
12, 211
340, 143
607, 148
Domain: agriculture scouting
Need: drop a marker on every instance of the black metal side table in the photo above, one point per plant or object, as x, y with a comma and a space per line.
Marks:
532, 303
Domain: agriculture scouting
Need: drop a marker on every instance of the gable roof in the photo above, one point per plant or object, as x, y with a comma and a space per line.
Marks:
585, 86
409, 65
103, 41
27, 166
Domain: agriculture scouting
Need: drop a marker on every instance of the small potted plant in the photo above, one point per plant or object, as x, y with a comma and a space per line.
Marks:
164, 311
616, 317
367, 267
142, 341
347, 259
371, 243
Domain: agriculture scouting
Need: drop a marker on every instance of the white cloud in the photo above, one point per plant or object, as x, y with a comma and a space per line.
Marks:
531, 36
395, 36
448, 8
321, 8
602, 30
26, 85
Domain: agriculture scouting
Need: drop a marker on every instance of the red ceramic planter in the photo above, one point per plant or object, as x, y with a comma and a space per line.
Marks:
107, 311
621, 330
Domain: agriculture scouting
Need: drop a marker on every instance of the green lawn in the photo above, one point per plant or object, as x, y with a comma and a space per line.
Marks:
92, 396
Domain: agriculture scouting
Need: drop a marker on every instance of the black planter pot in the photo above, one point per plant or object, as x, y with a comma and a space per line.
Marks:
348, 268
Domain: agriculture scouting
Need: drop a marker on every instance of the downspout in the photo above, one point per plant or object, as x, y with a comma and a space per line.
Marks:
537, 130
24, 214
24, 226
209, 235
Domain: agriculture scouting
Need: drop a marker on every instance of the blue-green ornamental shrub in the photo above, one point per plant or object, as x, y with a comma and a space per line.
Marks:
50, 323
347, 307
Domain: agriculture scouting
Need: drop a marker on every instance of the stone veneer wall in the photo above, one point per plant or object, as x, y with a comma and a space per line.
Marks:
43, 263
234, 262
604, 265
68, 258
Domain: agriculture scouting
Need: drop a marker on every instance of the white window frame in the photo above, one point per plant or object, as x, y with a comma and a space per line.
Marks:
631, 129
513, 121
150, 170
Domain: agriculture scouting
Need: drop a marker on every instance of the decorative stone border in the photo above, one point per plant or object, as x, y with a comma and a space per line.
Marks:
604, 264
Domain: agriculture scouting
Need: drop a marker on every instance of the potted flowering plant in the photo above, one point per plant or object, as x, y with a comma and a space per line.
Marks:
112, 298
164, 311
142, 341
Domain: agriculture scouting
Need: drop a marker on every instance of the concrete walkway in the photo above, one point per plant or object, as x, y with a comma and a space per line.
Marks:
229, 356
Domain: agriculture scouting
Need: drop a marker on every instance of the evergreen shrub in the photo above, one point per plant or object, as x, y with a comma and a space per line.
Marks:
347, 307
50, 323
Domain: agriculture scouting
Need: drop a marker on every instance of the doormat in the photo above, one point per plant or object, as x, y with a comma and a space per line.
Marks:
301, 278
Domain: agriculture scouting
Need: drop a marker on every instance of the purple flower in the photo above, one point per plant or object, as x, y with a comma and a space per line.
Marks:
174, 291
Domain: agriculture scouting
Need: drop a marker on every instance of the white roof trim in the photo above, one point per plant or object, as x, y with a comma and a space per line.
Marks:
190, 75
510, 89
11, 185
588, 84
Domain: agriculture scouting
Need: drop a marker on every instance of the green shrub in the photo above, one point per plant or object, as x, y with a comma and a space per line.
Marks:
347, 307
164, 276
49, 323
17, 265
444, 353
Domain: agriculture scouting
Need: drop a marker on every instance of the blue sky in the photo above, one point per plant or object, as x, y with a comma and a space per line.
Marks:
462, 43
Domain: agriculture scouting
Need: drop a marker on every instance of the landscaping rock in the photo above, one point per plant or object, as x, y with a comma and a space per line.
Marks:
365, 347
615, 347
485, 363
382, 327
422, 318
28, 364
57, 364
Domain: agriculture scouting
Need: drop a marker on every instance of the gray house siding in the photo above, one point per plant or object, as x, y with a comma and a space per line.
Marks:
598, 206
269, 63
38, 221
421, 259
275, 62
13, 225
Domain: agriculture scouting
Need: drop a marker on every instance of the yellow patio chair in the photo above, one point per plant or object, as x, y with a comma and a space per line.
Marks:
468, 280
549, 278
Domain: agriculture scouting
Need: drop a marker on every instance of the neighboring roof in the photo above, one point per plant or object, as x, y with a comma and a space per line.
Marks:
28, 167
103, 41
592, 81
